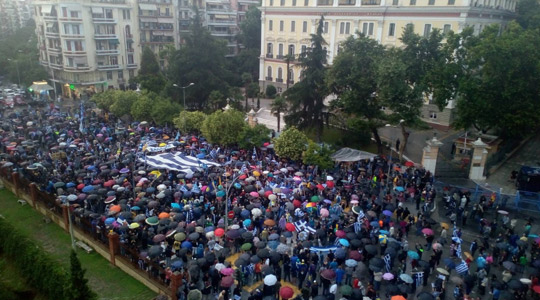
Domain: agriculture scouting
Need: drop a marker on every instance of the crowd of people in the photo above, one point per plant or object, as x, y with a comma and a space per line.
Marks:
362, 230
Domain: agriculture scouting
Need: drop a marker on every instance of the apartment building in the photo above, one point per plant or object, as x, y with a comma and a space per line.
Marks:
88, 45
287, 25
157, 24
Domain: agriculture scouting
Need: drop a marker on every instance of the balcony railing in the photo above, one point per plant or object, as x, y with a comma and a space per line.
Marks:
131, 66
108, 67
268, 78
104, 20
105, 36
77, 52
73, 36
280, 56
50, 18
107, 52
52, 34
70, 19
77, 68
279, 79
56, 66
269, 55
55, 49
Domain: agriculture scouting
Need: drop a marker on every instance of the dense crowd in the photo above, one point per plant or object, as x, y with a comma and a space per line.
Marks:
362, 229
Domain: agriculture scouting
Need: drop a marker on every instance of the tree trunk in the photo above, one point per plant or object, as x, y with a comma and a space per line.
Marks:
377, 138
278, 119
246, 108
403, 144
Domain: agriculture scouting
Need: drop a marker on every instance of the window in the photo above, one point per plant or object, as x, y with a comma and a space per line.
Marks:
427, 30
282, 2
304, 26
395, 2
280, 50
325, 27
167, 11
304, 49
270, 25
447, 28
431, 2
347, 28
131, 61
281, 25
74, 14
290, 75
293, 2
367, 28
269, 73
271, 2
291, 50
280, 73
64, 12
410, 26
342, 28
306, 2
109, 75
126, 14
413, 2
293, 25
120, 74
432, 114
451, 2
269, 48
392, 29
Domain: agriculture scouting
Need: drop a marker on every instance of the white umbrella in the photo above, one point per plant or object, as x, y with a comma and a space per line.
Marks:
351, 263
219, 267
161, 187
284, 170
329, 178
235, 226
270, 280
256, 212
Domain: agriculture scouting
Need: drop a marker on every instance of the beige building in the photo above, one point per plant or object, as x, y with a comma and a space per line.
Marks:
158, 25
287, 25
88, 45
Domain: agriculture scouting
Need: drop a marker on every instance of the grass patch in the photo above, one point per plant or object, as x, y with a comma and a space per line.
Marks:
107, 281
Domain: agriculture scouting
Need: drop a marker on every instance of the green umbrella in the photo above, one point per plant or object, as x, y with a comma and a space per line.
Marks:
152, 221
180, 236
315, 199
346, 290
246, 246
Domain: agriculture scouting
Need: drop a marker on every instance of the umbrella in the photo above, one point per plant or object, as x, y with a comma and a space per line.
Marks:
399, 188
158, 238
180, 236
377, 262
502, 212
270, 280
456, 280
443, 271
246, 246
525, 280
387, 213
427, 231
286, 292
536, 289
425, 296
515, 284
371, 249
273, 236
405, 288
438, 246
406, 278
227, 271
398, 297
328, 274
346, 290
152, 221
388, 276
344, 242
351, 263
423, 264
227, 281
219, 232
269, 222
510, 266
155, 251
263, 253
282, 248
413, 254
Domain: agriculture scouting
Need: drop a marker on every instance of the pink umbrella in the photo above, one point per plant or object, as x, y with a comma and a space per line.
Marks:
354, 201
341, 234
324, 212
388, 276
254, 194
427, 231
227, 271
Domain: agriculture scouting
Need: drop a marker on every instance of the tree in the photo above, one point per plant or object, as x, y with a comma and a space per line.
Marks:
149, 76
528, 14
164, 110
306, 98
122, 102
501, 84
190, 121
216, 100
251, 92
353, 79
223, 128
279, 105
142, 107
78, 289
254, 136
250, 37
291, 144
104, 100
318, 155
271, 91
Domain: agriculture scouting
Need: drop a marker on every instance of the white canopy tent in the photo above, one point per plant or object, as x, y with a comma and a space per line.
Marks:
349, 155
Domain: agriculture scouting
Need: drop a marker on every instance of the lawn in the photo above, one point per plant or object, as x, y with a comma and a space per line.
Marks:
107, 281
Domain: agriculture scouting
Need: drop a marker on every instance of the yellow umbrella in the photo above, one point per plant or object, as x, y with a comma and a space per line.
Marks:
445, 225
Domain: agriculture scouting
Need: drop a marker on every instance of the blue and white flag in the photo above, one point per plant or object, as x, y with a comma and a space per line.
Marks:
244, 169
357, 227
388, 262
214, 153
254, 155
175, 162
302, 226
81, 124
462, 268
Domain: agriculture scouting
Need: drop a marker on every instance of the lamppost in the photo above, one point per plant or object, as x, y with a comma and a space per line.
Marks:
392, 141
17, 67
184, 91
227, 189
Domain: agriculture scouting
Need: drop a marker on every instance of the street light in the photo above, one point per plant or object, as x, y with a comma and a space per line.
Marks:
227, 200
16, 66
184, 90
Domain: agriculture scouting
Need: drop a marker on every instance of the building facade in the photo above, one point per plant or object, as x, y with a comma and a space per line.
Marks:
157, 25
88, 46
287, 25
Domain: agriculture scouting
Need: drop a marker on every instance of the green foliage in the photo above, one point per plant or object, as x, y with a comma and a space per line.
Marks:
501, 84
252, 90
39, 270
318, 155
528, 14
250, 36
143, 106
104, 100
224, 127
122, 102
149, 76
291, 144
254, 137
189, 121
78, 287
271, 91
279, 105
164, 110
306, 98
216, 100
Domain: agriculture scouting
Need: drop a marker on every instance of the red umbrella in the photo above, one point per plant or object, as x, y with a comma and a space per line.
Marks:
80, 186
536, 289
219, 232
330, 184
341, 234
355, 255
297, 203
286, 292
109, 183
409, 164
227, 281
328, 274
290, 227
427, 231
320, 187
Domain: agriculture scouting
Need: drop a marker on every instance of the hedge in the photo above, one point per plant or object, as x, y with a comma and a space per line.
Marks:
40, 271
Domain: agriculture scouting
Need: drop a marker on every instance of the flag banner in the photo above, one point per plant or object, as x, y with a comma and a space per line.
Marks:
175, 162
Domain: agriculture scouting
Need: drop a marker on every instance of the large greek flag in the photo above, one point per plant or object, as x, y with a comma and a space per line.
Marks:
175, 161
462, 268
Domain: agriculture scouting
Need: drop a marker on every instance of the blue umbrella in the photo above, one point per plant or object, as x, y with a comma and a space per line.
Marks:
150, 190
273, 244
533, 235
175, 205
481, 262
135, 208
374, 224
387, 213
237, 185
344, 242
247, 222
383, 232
220, 194
109, 221
244, 214
177, 264
413, 254
201, 155
400, 189
209, 228
88, 189
70, 184
91, 168
186, 244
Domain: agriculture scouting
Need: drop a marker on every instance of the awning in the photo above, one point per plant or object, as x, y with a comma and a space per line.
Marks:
80, 60
222, 17
165, 20
348, 154
147, 6
41, 86
97, 10
148, 20
46, 9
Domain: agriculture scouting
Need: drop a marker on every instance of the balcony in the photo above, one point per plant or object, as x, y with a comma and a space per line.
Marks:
50, 18
74, 53
268, 78
130, 50
77, 68
73, 36
104, 20
280, 56
221, 22
131, 66
108, 67
325, 3
371, 2
51, 34
129, 36
269, 55
279, 80
56, 66
54, 50
105, 36
70, 19
107, 52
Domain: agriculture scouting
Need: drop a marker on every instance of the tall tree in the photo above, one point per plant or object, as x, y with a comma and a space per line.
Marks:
78, 289
501, 87
201, 61
224, 128
150, 77
250, 37
279, 105
353, 79
306, 98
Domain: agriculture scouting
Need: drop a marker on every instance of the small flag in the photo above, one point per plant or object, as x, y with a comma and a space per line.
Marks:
462, 268
387, 262
302, 226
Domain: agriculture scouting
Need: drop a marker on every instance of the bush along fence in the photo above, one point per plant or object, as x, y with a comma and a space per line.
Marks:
149, 272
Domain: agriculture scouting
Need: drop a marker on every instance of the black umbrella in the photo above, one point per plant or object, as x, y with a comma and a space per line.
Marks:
210, 257
255, 259
263, 253
390, 251
515, 284
425, 296
241, 263
267, 270
247, 236
275, 257
377, 262
405, 288
306, 244
260, 244
155, 251
371, 249
392, 289
351, 236
356, 243
233, 233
